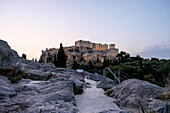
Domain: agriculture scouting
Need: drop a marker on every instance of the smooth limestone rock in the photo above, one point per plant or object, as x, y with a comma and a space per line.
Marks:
6, 92
46, 88
37, 75
104, 82
8, 60
114, 111
54, 95
130, 92
5, 88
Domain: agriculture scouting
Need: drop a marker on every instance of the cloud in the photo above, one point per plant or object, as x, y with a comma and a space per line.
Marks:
161, 51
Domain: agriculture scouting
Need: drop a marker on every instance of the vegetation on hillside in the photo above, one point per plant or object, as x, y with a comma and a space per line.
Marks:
153, 70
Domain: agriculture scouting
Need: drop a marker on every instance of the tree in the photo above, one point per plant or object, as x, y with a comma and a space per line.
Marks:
61, 57
40, 60
98, 59
35, 59
24, 56
75, 65
49, 58
123, 57
105, 63
90, 65
55, 61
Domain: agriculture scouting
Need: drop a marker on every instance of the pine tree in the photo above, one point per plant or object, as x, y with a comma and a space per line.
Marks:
61, 58
98, 59
40, 60
90, 64
105, 63
55, 61
75, 65
24, 56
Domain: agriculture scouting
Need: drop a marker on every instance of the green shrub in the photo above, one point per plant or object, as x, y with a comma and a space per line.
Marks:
17, 77
77, 89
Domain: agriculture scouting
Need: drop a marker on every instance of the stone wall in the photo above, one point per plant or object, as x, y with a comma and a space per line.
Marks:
81, 43
93, 46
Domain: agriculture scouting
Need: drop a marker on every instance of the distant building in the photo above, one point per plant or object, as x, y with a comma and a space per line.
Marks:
93, 46
83, 52
112, 46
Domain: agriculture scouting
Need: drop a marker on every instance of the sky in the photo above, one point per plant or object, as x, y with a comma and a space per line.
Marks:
135, 26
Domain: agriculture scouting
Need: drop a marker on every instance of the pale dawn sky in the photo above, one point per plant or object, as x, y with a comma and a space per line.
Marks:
135, 26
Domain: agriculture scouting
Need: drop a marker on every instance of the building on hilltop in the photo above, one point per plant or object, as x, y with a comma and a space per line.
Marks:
82, 52
112, 46
93, 46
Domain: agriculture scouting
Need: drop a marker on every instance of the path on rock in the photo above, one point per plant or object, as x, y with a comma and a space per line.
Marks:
93, 100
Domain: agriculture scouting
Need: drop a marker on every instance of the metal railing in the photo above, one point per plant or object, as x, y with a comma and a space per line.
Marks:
117, 72
104, 74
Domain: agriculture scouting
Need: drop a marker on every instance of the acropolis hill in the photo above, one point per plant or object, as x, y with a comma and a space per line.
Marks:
82, 53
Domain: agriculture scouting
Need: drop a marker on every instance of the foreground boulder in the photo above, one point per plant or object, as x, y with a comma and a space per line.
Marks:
6, 92
38, 88
40, 96
8, 60
130, 92
45, 96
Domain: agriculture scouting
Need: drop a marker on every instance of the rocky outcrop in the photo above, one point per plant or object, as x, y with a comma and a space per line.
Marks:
6, 91
54, 94
8, 59
130, 92
114, 111
104, 82
46, 88
82, 54
43, 89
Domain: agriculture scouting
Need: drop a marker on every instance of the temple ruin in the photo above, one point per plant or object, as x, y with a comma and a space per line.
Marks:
93, 46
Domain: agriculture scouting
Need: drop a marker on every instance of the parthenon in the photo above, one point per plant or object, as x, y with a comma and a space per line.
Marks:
93, 46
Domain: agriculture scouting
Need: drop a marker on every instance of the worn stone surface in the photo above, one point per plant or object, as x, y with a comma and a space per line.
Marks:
104, 82
8, 59
38, 74
131, 91
6, 91
46, 88
5, 87
33, 96
114, 111
93, 100
45, 96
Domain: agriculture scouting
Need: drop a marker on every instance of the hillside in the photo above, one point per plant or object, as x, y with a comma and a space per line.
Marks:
82, 53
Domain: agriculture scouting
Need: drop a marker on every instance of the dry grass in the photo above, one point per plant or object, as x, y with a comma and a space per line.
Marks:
164, 96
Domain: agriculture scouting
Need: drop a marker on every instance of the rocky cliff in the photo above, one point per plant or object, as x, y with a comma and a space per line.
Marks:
44, 88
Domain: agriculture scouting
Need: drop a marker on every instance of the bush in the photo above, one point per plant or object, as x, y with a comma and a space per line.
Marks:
77, 89
17, 77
